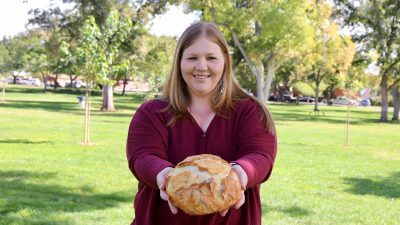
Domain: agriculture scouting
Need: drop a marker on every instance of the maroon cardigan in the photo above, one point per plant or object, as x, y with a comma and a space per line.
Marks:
238, 137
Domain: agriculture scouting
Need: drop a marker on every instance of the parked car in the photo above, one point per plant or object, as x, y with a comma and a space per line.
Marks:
343, 101
307, 99
80, 84
273, 98
365, 102
288, 98
32, 82
76, 84
18, 80
10, 80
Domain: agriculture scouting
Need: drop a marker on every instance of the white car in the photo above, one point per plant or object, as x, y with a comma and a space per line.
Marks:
80, 84
343, 101
32, 81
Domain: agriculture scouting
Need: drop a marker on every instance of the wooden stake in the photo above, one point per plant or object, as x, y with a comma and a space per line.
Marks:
86, 121
346, 138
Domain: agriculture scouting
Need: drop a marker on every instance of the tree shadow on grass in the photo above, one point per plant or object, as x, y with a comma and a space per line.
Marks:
39, 90
304, 117
23, 141
292, 211
65, 107
293, 112
27, 191
388, 187
45, 105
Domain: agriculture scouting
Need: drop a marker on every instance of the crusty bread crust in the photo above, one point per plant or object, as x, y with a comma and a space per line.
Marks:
203, 184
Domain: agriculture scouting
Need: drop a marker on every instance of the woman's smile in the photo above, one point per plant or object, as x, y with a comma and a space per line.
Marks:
201, 77
202, 66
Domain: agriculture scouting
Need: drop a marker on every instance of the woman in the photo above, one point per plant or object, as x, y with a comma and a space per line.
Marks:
202, 111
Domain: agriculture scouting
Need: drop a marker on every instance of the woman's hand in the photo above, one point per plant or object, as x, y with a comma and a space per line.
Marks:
161, 178
243, 182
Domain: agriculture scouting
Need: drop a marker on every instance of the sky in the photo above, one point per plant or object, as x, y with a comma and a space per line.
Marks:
14, 16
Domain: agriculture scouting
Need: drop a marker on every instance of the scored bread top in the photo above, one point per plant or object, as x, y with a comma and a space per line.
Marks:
203, 184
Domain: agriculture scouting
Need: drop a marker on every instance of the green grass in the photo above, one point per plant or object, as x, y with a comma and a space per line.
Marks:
48, 177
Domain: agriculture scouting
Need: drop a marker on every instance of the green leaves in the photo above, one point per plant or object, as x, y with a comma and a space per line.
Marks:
98, 49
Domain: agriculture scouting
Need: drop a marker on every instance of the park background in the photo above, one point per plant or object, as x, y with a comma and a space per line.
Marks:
328, 71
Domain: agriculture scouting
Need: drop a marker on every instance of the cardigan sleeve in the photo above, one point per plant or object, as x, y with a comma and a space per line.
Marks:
146, 147
257, 147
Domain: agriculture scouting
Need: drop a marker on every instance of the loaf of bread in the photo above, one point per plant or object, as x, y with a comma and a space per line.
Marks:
203, 184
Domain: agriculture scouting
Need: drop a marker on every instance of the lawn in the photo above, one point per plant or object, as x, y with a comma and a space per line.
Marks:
48, 177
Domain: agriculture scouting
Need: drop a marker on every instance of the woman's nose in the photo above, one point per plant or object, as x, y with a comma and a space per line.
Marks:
201, 65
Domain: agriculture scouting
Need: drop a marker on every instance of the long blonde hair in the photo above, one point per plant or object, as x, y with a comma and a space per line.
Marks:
224, 94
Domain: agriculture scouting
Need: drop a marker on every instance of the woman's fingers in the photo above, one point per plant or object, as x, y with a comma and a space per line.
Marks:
162, 176
237, 205
242, 175
164, 196
173, 209
223, 213
241, 201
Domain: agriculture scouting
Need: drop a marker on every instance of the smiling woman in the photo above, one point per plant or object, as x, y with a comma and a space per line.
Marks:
202, 111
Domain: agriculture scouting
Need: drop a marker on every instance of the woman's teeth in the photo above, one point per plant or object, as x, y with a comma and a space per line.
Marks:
201, 76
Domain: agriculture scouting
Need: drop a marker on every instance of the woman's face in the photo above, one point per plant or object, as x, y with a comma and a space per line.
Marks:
202, 66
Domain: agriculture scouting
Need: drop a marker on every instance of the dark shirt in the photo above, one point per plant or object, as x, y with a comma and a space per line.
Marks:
238, 136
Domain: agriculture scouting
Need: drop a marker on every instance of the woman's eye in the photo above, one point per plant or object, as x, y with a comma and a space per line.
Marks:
211, 58
192, 58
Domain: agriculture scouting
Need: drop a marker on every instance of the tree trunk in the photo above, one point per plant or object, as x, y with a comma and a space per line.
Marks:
108, 98
329, 95
316, 97
253, 68
56, 84
86, 137
124, 86
270, 75
396, 102
317, 83
384, 98
260, 81
71, 81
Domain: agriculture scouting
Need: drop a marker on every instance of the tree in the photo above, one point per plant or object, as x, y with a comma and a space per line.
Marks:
357, 77
122, 72
265, 32
5, 66
17, 48
113, 34
376, 27
158, 55
5, 57
331, 55
37, 60
95, 58
396, 102
69, 21
90, 63
288, 78
396, 95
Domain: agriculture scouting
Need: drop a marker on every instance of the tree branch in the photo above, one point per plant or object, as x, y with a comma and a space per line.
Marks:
248, 60
393, 64
394, 84
252, 67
